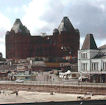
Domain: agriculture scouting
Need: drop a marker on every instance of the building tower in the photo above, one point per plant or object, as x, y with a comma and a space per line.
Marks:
68, 38
17, 41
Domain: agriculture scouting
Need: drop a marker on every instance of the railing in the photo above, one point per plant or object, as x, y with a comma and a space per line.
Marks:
58, 83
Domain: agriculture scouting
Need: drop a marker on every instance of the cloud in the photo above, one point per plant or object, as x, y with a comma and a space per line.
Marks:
4, 22
33, 12
4, 26
89, 16
100, 43
15, 10
43, 16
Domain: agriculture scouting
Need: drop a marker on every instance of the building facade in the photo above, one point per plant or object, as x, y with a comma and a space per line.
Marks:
20, 44
92, 60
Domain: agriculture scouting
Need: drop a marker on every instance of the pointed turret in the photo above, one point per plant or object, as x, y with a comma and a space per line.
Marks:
18, 27
65, 25
89, 42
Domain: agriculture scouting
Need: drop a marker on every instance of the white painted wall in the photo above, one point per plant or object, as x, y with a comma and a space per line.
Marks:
90, 53
89, 60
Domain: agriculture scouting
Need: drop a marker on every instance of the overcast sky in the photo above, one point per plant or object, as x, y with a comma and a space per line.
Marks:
89, 16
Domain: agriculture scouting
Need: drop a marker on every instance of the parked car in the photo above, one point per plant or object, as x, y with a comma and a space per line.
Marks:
19, 81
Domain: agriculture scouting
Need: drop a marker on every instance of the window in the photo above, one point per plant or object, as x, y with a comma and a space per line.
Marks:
84, 66
83, 55
27, 78
94, 66
104, 65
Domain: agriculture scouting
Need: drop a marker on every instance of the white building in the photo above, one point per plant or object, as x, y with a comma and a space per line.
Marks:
69, 75
92, 60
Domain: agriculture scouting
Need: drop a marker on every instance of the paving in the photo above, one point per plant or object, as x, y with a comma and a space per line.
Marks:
27, 97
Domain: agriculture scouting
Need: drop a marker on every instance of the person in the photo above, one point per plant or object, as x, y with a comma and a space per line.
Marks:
16, 93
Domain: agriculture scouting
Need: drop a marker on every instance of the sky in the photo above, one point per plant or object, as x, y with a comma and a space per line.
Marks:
42, 16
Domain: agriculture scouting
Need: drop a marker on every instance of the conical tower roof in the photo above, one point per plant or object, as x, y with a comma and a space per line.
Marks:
19, 27
65, 25
89, 42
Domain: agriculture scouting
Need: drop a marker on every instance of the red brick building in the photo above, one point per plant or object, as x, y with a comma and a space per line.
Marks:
20, 44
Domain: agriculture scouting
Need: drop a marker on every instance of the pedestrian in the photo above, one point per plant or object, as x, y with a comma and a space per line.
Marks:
16, 93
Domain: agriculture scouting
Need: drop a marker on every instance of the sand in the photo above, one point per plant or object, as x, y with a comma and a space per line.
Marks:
26, 97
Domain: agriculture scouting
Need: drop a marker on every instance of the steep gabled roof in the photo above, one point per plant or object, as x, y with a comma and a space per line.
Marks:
19, 27
89, 42
103, 46
65, 25
100, 55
